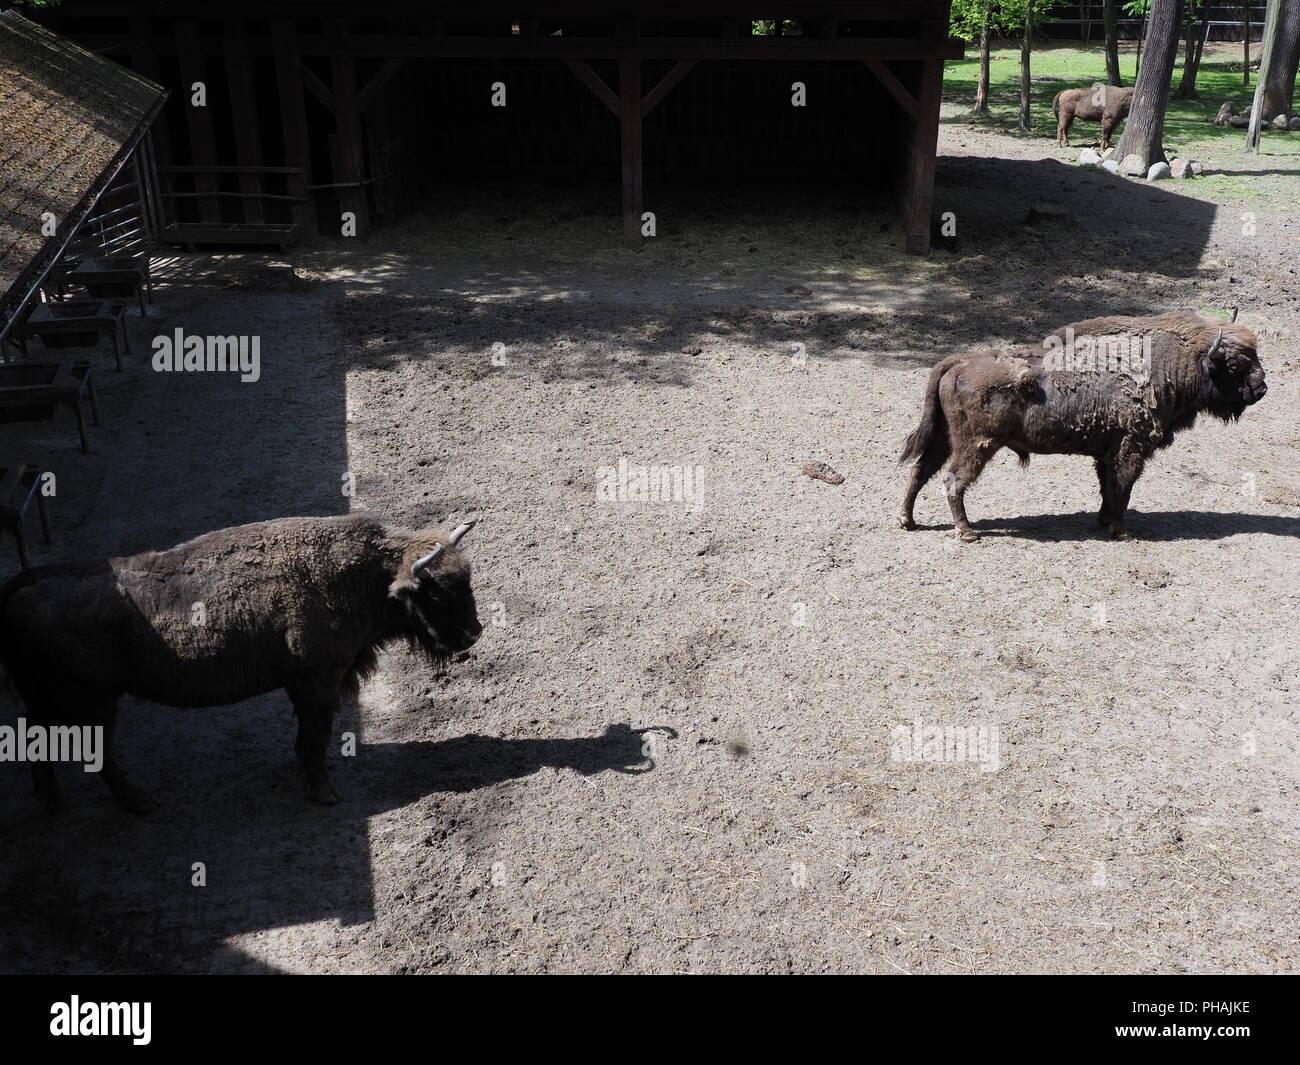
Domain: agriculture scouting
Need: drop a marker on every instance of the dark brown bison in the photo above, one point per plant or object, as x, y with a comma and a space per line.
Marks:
1107, 104
303, 604
1117, 389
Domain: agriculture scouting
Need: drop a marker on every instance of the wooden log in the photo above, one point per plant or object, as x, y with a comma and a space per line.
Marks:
293, 118
203, 144
629, 85
243, 110
919, 188
349, 159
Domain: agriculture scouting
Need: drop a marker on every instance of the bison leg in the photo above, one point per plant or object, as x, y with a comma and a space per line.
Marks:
46, 788
1105, 479
1125, 470
129, 796
1108, 125
1063, 129
315, 707
926, 467
963, 472
45, 784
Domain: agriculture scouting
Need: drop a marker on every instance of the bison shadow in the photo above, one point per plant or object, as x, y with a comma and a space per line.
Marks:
101, 884
400, 773
1156, 525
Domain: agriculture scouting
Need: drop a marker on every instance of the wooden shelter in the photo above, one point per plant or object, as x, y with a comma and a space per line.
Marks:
314, 111
74, 177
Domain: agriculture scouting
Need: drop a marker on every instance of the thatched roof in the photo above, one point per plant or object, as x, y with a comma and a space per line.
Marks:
68, 120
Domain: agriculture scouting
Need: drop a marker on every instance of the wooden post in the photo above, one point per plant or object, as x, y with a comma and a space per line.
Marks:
350, 168
243, 110
918, 188
293, 117
629, 90
203, 145
144, 61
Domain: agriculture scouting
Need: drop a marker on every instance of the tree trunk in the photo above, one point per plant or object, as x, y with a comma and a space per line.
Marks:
1110, 15
1026, 44
1273, 50
1142, 32
1144, 130
1279, 85
1245, 44
982, 89
1191, 55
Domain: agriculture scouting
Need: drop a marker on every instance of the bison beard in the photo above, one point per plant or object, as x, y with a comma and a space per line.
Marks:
303, 604
977, 404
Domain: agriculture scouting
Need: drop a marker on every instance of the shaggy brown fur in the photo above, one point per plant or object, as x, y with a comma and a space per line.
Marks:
1107, 104
977, 404
302, 604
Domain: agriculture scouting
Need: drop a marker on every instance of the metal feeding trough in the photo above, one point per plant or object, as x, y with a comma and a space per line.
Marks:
75, 324
30, 391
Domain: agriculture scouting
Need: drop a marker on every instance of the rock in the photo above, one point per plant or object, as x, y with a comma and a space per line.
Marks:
1050, 213
1110, 166
1158, 171
819, 471
1294, 123
1241, 121
1225, 113
1089, 157
1132, 165
1182, 169
1110, 153
1280, 123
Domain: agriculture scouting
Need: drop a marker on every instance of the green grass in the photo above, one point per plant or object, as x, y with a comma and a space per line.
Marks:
1188, 131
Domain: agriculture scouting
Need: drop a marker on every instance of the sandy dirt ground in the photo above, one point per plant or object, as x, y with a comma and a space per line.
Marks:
673, 750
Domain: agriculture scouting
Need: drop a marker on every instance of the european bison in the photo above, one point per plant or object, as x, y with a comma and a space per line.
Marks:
303, 604
1107, 104
1117, 389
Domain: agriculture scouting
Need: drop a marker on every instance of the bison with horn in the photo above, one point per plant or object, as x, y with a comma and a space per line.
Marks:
1116, 389
303, 604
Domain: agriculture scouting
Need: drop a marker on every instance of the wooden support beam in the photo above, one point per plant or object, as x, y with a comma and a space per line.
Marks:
629, 87
896, 88
243, 109
801, 49
594, 82
666, 84
918, 189
203, 144
379, 82
316, 87
144, 60
348, 156
293, 117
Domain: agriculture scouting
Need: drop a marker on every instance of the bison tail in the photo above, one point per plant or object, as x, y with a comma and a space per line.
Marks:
933, 424
1056, 105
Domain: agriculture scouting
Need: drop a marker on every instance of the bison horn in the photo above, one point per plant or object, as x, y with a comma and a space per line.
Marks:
1214, 348
460, 530
1234, 314
425, 561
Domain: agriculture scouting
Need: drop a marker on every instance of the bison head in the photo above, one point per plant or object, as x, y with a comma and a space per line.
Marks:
1231, 376
436, 602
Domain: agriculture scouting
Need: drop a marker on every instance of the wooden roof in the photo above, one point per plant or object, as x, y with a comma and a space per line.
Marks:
68, 120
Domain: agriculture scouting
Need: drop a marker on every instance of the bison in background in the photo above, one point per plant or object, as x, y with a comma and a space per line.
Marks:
303, 604
1117, 389
1107, 104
